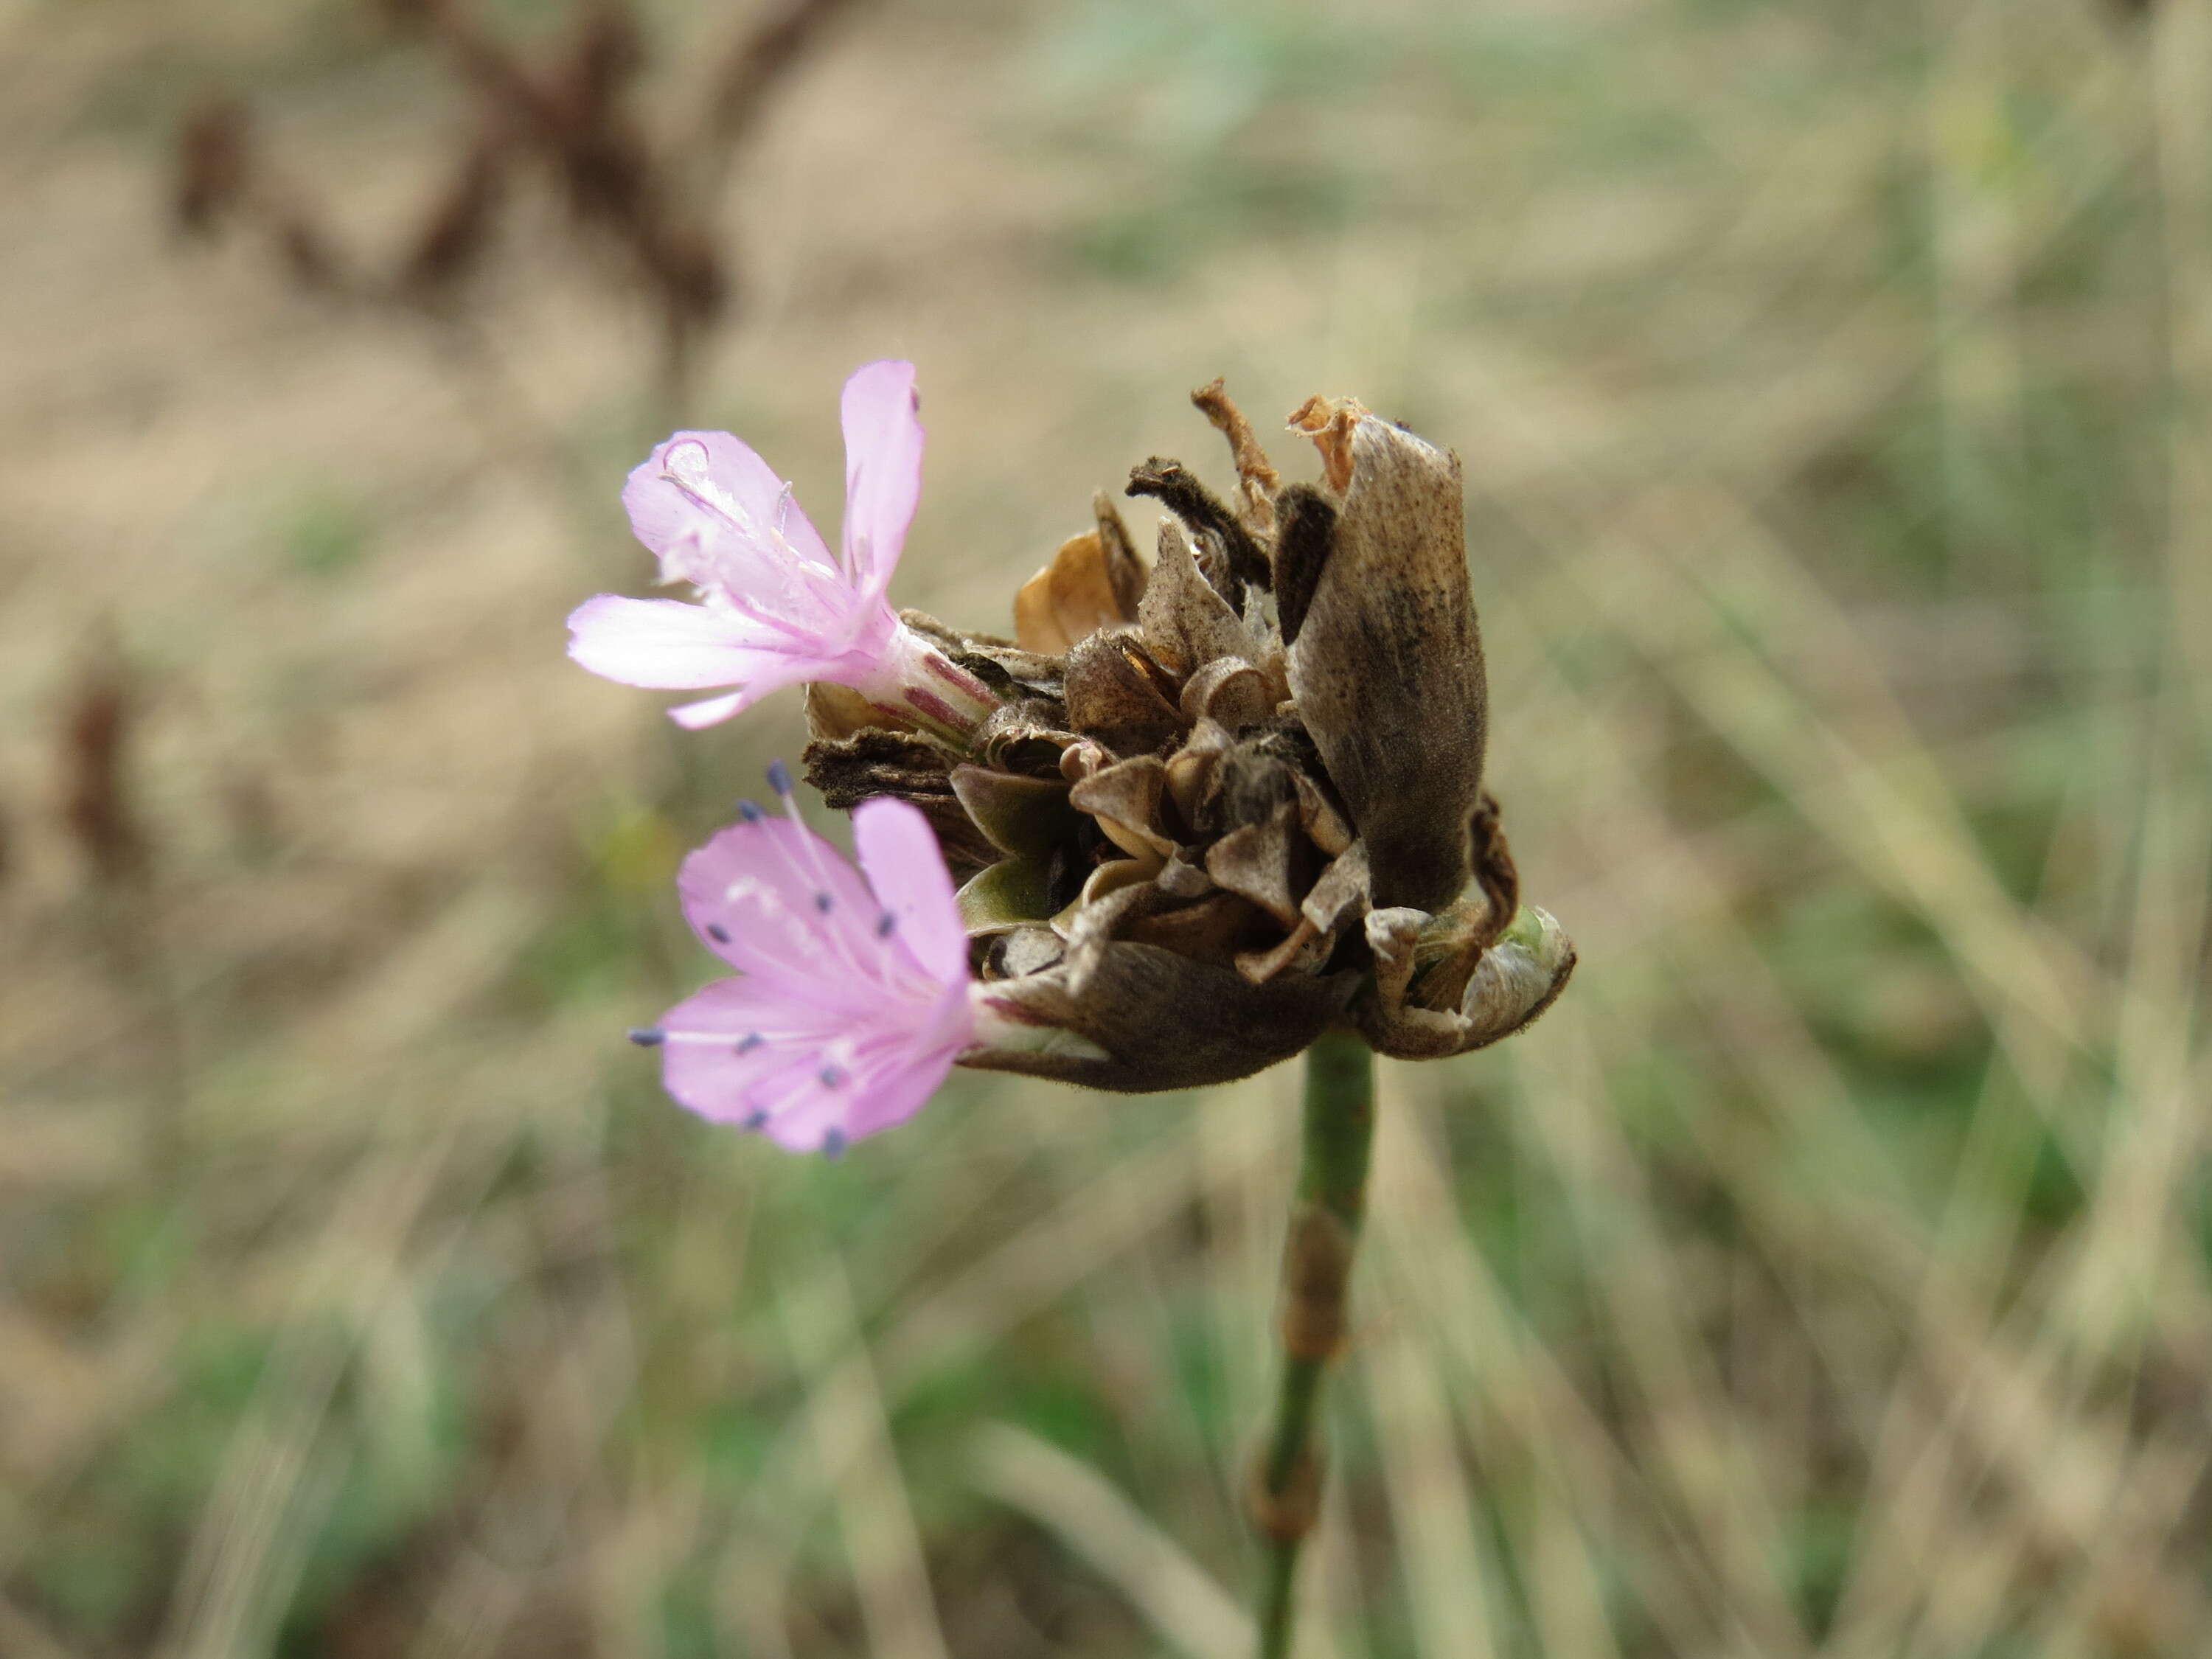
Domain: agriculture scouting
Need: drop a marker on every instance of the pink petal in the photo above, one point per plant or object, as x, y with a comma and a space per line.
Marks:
719, 519
895, 1091
899, 854
710, 711
805, 1111
757, 893
663, 642
774, 672
883, 468
743, 496
754, 1053
887, 1084
850, 1006
729, 1038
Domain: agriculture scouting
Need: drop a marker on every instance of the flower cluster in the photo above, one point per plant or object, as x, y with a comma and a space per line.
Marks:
1200, 809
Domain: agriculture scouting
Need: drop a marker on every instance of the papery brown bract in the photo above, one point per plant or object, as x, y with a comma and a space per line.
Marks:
1161, 1020
1387, 663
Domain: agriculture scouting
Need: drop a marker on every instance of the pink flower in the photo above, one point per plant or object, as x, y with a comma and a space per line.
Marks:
774, 609
851, 1001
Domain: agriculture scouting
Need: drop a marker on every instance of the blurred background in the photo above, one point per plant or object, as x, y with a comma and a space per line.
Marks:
1827, 1275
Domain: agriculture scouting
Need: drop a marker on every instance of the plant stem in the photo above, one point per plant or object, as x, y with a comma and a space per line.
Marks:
1317, 1251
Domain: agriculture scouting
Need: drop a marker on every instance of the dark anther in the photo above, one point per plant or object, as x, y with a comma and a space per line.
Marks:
832, 1078
749, 811
750, 1041
822, 903
717, 932
833, 1144
755, 1120
778, 777
648, 1036
884, 923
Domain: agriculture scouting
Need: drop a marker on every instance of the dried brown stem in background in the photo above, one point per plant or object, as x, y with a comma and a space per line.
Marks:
94, 761
654, 201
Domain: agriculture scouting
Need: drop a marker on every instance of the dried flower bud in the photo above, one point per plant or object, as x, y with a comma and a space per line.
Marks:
1229, 801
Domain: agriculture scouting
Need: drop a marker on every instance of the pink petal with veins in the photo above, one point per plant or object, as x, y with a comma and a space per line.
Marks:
672, 646
770, 897
883, 468
711, 491
899, 852
852, 1001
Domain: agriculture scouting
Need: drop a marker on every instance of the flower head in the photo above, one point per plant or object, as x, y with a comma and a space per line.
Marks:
851, 1000
1203, 808
1235, 798
775, 608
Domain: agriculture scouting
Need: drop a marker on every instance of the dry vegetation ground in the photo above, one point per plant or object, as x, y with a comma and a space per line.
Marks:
1827, 1274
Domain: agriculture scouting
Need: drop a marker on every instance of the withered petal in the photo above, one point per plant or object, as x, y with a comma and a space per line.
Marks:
1116, 892
1387, 667
1125, 567
1299, 942
1229, 691
1029, 737
1257, 477
1324, 825
1185, 622
1329, 423
1126, 799
1073, 595
1183, 880
1256, 859
1240, 560
1191, 768
1341, 893
1115, 693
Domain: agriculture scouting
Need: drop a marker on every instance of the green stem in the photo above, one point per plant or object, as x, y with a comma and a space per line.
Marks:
1317, 1251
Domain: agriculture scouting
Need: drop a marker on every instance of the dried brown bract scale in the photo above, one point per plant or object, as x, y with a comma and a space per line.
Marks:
1234, 796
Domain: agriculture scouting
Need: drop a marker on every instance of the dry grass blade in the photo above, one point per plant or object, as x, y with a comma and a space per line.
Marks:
852, 1439
1889, 810
1124, 1205
1450, 1574
253, 1534
1192, 1613
1503, 1370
